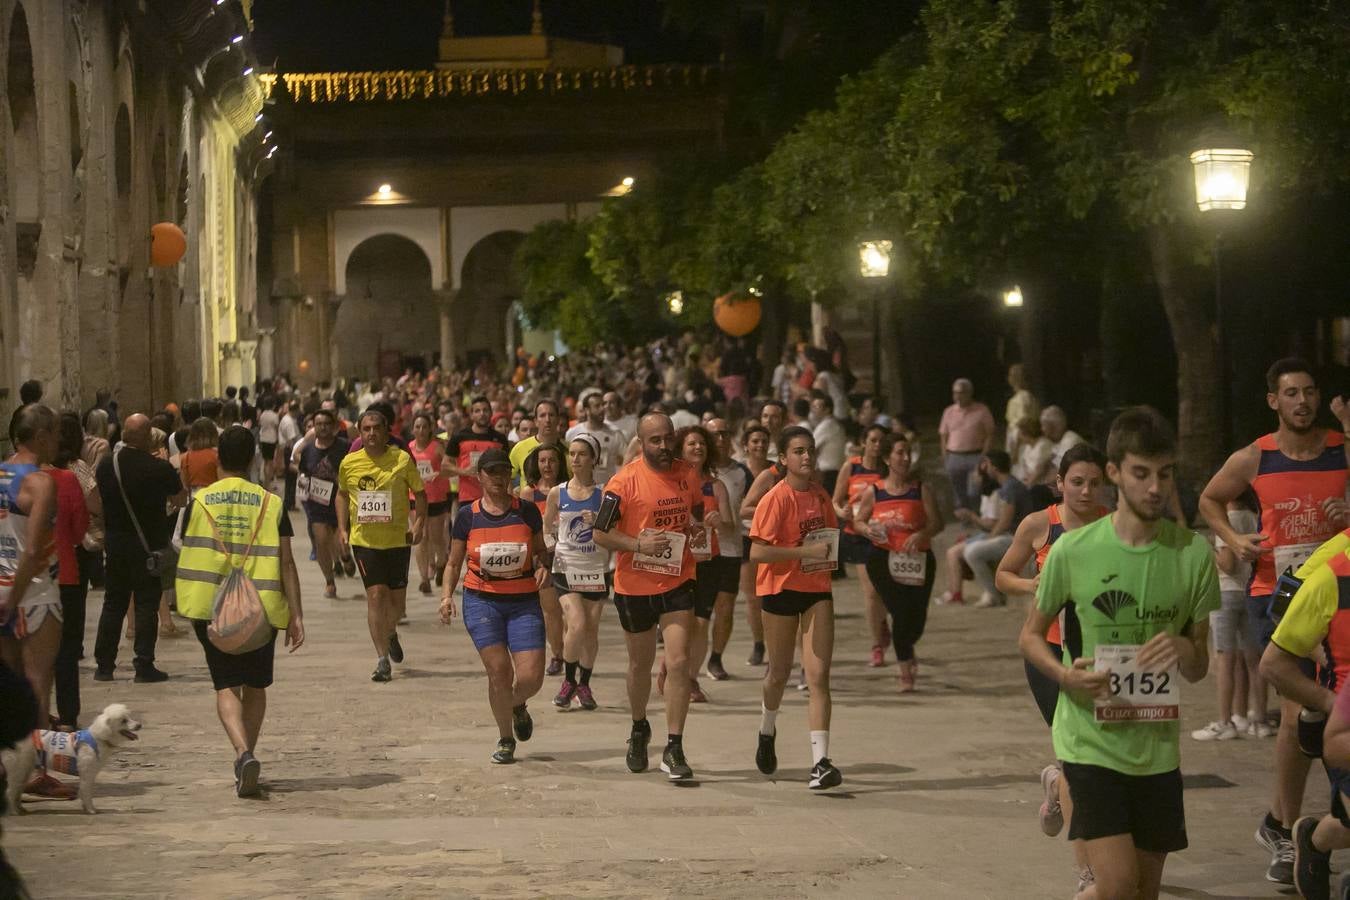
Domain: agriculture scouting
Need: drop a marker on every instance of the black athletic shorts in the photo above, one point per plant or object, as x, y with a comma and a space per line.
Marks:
792, 603
383, 567
719, 575
230, 670
1045, 691
639, 614
560, 584
1148, 808
438, 509
1340, 788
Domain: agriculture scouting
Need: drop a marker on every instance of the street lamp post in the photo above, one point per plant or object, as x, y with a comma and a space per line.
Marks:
874, 265
1221, 177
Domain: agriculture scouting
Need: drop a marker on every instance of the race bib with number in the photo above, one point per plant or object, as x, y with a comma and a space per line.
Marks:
908, 568
586, 582
1291, 557
1137, 695
502, 559
829, 563
669, 561
426, 470
374, 507
474, 456
320, 491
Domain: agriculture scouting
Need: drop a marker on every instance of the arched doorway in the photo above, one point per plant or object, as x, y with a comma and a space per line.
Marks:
388, 319
485, 320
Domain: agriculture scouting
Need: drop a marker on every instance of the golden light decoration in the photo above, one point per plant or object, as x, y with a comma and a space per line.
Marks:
737, 315
1221, 178
874, 258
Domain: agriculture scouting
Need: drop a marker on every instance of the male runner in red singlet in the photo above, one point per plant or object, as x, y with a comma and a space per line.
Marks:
1299, 475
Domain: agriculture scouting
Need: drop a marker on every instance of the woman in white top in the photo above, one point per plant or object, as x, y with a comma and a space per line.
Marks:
581, 571
1033, 452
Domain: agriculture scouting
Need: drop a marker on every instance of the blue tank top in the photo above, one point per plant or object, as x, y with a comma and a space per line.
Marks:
577, 550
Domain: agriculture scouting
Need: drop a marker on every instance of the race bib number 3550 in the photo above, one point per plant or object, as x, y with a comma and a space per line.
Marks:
1137, 695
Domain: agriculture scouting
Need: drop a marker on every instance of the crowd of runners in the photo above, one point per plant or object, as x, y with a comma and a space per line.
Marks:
533, 501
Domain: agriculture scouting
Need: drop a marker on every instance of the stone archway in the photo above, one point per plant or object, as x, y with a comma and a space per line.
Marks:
484, 315
389, 314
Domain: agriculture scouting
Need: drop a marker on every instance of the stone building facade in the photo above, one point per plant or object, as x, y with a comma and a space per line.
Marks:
390, 225
118, 115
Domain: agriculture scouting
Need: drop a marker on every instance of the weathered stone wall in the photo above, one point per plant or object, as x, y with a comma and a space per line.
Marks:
110, 124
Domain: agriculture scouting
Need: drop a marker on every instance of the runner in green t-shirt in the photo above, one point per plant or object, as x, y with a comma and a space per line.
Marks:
1142, 588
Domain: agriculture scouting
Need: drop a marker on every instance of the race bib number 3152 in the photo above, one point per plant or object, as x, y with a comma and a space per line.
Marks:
1137, 695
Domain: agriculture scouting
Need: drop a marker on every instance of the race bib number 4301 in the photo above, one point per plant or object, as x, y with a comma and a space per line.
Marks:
374, 507
1137, 695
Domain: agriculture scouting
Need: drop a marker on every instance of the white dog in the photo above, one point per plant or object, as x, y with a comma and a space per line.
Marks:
81, 753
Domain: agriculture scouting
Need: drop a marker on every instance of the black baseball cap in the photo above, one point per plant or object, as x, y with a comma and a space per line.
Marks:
494, 458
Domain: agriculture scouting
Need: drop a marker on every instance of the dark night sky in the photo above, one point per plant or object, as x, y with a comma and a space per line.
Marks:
351, 35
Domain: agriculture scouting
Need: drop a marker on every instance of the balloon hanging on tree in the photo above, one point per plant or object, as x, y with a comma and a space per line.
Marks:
736, 314
167, 244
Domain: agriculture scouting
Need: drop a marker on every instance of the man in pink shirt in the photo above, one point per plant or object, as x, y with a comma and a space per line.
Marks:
967, 432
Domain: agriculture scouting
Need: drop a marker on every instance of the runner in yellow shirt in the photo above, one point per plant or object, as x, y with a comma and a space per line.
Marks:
374, 484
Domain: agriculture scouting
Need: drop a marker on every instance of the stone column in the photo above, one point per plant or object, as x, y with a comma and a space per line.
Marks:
444, 302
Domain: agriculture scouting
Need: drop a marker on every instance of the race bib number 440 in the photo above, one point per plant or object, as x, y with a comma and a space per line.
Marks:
1137, 695
502, 559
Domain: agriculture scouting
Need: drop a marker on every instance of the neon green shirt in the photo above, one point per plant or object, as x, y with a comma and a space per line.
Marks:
1125, 595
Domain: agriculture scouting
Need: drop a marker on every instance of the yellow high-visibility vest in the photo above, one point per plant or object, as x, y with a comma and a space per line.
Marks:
235, 505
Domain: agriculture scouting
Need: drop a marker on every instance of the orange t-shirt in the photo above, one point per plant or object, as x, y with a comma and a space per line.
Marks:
199, 468
783, 518
658, 501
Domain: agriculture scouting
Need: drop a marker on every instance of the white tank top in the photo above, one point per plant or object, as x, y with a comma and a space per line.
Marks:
14, 533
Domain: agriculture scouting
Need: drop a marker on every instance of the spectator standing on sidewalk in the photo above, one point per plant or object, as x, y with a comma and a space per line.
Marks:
967, 432
1021, 405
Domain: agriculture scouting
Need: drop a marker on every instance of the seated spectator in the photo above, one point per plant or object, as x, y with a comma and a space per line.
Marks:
1015, 503
1055, 427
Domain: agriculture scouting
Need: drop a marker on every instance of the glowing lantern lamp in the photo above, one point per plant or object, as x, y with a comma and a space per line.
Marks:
167, 244
1221, 178
736, 315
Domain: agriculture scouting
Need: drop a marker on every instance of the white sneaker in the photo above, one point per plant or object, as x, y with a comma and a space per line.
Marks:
1216, 731
1241, 723
1259, 728
988, 601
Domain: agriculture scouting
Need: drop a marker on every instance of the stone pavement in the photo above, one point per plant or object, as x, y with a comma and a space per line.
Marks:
386, 790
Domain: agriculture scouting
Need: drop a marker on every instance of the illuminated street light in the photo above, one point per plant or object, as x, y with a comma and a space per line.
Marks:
1013, 298
1221, 178
385, 191
874, 258
675, 300
628, 181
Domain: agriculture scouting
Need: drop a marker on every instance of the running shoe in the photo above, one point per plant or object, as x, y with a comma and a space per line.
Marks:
766, 757
637, 746
521, 723
990, 600
951, 598
1052, 815
424, 588
505, 754
756, 655
383, 671
674, 765
1216, 731
585, 697
1312, 867
1269, 836
246, 772
878, 657
717, 671
696, 694
330, 591
566, 692
824, 775
1241, 723
395, 648
1260, 728
555, 667
1281, 869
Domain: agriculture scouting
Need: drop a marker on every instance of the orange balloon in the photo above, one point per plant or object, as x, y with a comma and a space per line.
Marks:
736, 315
167, 244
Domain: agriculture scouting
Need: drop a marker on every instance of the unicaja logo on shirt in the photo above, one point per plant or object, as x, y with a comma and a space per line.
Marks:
1109, 603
